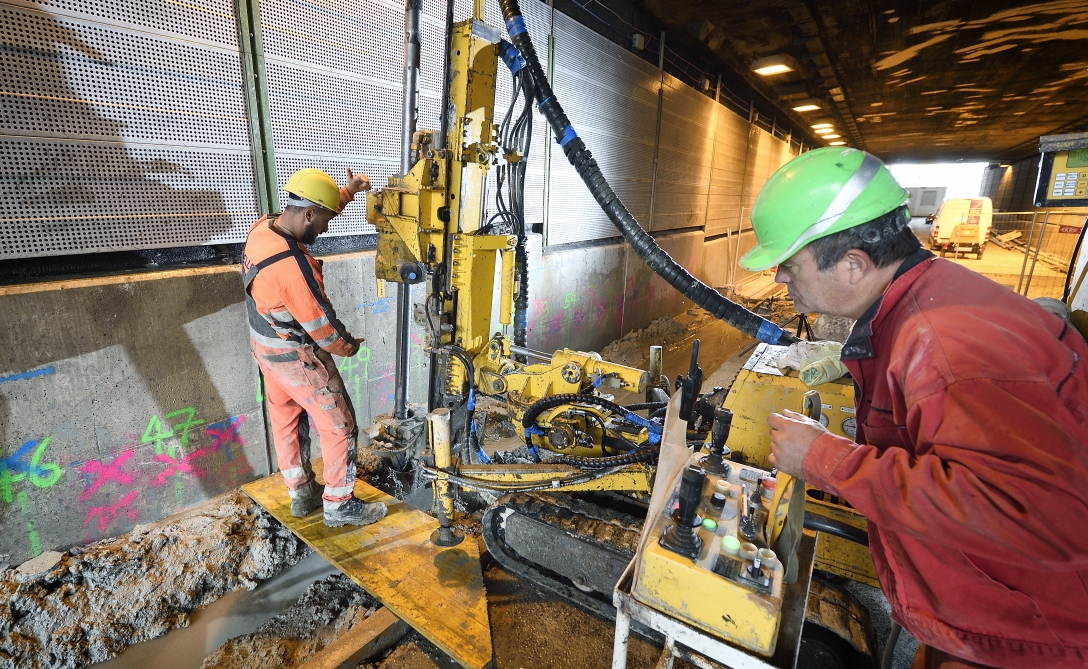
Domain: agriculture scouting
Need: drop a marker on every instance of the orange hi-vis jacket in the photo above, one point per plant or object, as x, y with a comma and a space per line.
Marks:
285, 293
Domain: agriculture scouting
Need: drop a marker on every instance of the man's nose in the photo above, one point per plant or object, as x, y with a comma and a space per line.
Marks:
781, 276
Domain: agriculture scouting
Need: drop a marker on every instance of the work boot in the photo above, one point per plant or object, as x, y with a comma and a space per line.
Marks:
353, 512
305, 500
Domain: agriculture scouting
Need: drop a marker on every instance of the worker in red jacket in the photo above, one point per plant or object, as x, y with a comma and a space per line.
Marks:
294, 332
970, 461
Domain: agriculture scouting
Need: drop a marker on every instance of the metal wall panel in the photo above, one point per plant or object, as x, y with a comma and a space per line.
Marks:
684, 156
610, 96
335, 70
122, 127
724, 212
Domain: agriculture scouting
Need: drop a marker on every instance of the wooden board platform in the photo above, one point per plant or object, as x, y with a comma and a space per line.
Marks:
438, 591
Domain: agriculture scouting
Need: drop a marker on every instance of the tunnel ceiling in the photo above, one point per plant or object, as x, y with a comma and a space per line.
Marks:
958, 79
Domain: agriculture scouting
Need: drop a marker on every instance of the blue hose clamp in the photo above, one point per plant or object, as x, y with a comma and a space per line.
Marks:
769, 332
568, 135
515, 25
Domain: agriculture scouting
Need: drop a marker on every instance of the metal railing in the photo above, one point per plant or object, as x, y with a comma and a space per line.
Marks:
1045, 239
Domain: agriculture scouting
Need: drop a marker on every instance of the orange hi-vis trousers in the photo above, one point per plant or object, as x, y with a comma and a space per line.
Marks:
300, 381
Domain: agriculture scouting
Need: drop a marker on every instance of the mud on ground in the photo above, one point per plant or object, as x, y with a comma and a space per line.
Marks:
102, 597
329, 608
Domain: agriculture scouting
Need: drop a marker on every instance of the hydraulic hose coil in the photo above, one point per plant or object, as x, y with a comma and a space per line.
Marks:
580, 157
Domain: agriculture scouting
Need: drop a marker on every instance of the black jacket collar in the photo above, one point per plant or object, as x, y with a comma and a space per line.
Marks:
859, 344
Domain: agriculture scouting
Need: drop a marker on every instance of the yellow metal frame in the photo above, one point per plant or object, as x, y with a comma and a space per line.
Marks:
755, 395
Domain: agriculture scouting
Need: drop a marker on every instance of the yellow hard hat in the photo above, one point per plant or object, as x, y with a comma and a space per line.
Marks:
315, 187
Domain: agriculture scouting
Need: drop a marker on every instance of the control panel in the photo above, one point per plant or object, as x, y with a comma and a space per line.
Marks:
708, 560
1063, 171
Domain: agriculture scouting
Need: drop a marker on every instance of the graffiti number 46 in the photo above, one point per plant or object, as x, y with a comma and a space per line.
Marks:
15, 468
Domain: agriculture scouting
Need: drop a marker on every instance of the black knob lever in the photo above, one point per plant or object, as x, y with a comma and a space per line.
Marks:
715, 462
681, 537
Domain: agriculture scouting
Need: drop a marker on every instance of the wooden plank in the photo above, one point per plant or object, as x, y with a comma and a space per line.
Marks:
438, 591
362, 642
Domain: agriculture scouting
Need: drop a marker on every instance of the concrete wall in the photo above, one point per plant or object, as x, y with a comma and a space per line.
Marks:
1011, 188
124, 399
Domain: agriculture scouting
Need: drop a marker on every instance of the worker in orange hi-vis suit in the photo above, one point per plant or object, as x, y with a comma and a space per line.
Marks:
294, 332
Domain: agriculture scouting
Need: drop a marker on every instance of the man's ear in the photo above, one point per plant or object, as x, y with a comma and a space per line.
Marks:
858, 265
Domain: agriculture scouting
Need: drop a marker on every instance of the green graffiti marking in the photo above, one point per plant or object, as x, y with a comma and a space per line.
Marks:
158, 432
349, 370
32, 531
15, 468
570, 300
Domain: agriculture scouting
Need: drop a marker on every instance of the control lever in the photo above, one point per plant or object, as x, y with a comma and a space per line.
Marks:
714, 462
747, 527
681, 536
690, 386
789, 524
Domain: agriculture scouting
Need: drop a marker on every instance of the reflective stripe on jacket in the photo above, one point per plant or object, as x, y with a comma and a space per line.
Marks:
971, 465
285, 294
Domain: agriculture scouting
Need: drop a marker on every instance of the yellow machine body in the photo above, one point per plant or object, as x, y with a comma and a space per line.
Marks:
761, 389
708, 592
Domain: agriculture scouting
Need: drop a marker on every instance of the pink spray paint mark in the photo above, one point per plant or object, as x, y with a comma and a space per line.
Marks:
103, 472
108, 514
182, 466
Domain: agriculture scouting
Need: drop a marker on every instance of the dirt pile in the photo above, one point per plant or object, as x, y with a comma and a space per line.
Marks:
329, 608
100, 598
408, 656
632, 348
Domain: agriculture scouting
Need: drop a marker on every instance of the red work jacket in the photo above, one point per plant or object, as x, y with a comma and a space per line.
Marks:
971, 466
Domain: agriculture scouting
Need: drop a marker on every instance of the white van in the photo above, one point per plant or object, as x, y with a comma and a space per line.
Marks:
962, 226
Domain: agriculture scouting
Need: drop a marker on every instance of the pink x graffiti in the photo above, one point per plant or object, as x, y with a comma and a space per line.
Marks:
182, 466
103, 472
107, 514
225, 434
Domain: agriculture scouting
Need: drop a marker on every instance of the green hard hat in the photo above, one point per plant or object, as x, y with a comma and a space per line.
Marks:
815, 195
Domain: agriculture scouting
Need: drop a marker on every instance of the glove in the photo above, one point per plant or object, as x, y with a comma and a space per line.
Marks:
823, 370
817, 361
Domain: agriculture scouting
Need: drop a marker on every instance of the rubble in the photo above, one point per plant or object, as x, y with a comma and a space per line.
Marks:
329, 608
100, 598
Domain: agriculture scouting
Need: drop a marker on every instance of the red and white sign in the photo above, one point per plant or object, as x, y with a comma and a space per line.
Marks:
1069, 229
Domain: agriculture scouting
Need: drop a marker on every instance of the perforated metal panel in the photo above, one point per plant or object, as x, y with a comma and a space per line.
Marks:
116, 134
610, 97
684, 157
728, 178
335, 80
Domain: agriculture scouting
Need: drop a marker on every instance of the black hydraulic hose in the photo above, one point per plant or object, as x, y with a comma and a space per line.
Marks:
654, 256
646, 405
647, 454
540, 406
837, 528
521, 298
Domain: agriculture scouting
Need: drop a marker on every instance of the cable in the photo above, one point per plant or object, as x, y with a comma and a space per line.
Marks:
644, 245
889, 647
644, 454
497, 486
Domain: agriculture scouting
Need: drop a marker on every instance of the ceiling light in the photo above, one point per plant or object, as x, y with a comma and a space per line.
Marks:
838, 143
771, 65
832, 136
821, 125
824, 131
805, 105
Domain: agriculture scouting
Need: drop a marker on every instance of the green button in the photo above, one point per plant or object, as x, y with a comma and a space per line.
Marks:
710, 524
731, 545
